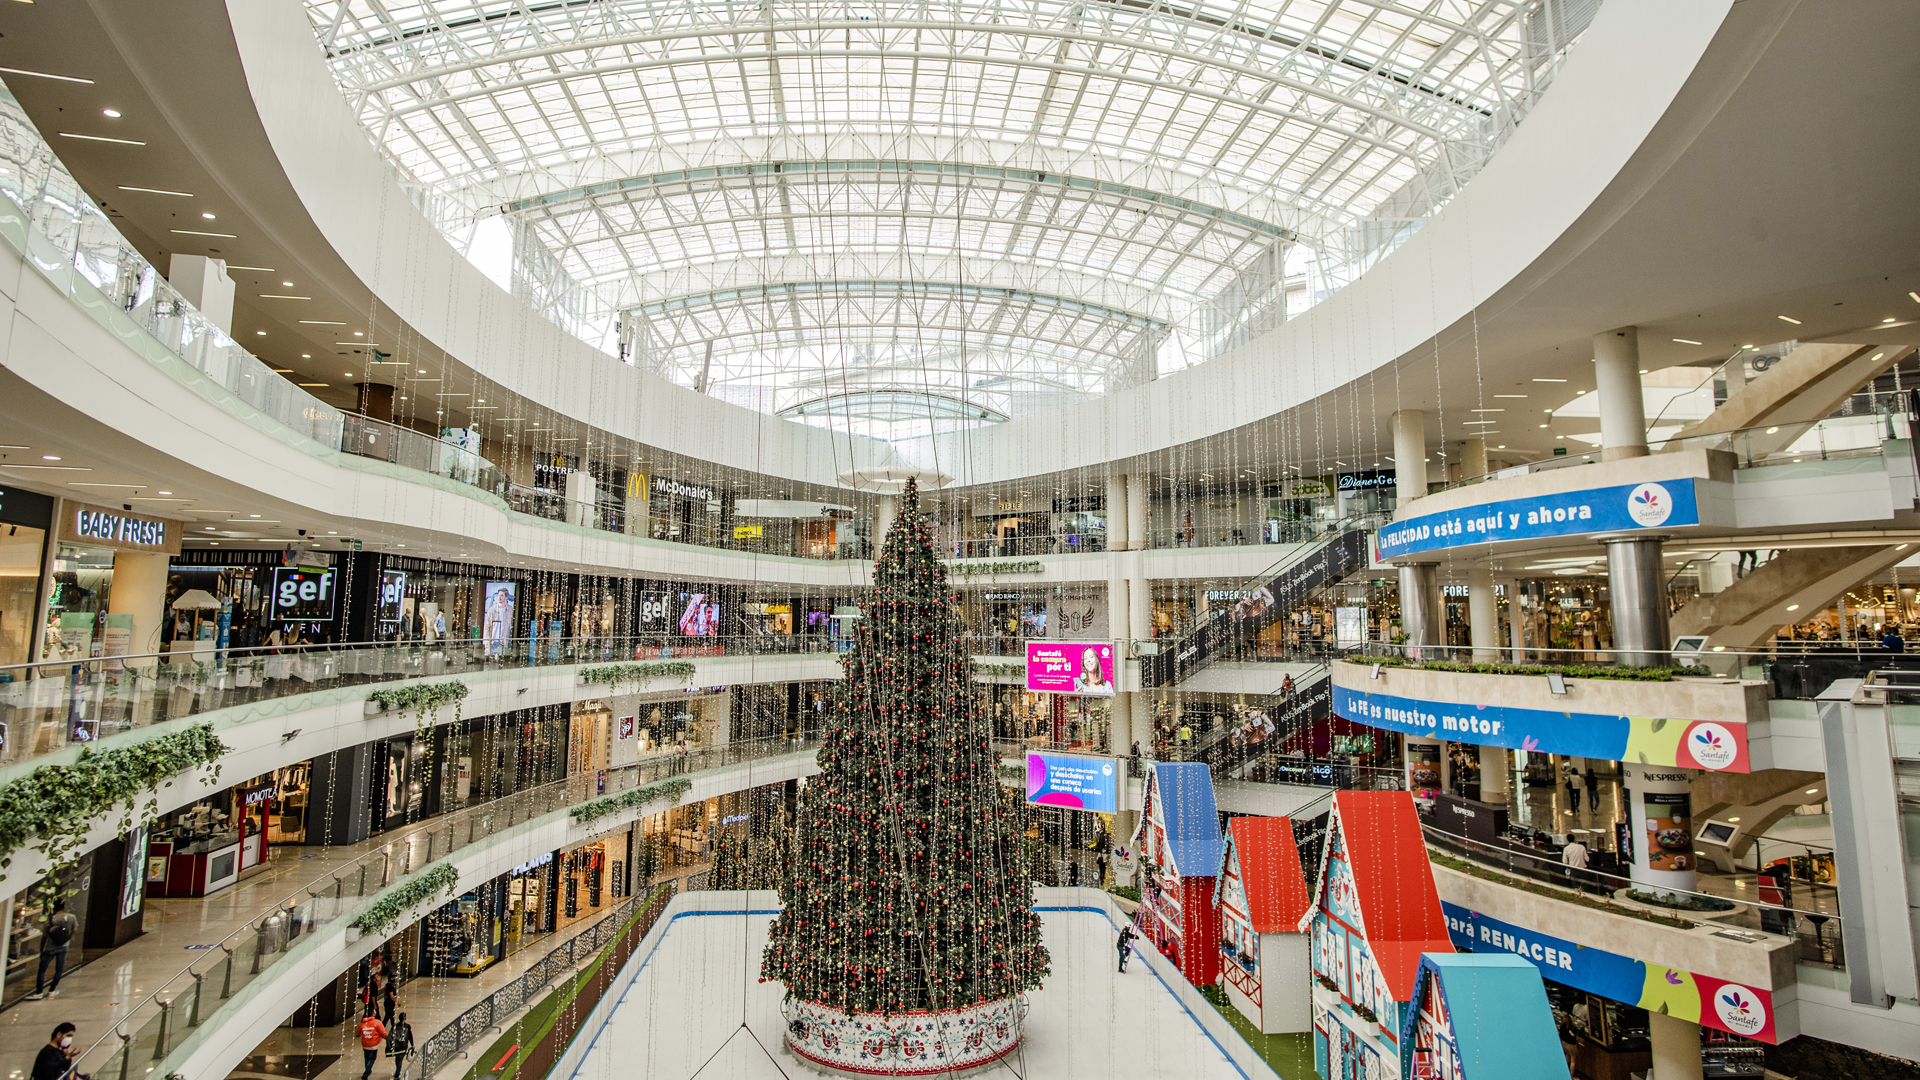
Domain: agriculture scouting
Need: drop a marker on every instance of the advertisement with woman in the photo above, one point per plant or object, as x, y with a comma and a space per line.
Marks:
496, 625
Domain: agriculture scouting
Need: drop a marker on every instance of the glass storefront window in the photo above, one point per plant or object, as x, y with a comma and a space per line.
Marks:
21, 547
82, 580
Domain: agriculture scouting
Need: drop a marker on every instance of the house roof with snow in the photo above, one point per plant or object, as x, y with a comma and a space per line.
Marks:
1183, 804
1263, 850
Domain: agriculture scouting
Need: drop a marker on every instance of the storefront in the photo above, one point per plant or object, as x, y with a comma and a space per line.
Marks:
106, 893
529, 901
287, 808
201, 848
591, 878
468, 934
96, 547
270, 597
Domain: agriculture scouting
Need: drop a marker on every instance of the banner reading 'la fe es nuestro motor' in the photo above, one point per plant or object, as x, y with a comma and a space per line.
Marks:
1648, 740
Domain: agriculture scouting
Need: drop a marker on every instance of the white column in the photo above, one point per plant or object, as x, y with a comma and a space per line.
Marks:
580, 497
205, 284
1496, 772
1516, 621
1410, 454
883, 521
1473, 458
1119, 608
1138, 502
1483, 615
140, 590
1676, 1047
1623, 411
1670, 788
1118, 517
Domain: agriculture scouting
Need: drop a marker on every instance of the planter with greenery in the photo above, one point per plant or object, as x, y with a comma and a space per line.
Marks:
414, 889
1475, 870
423, 700
670, 790
56, 806
618, 675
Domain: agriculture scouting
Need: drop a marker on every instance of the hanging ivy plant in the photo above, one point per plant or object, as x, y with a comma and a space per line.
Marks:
423, 700
617, 675
413, 890
1002, 671
54, 807
588, 813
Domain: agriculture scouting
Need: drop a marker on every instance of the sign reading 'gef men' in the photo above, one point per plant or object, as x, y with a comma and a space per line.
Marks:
101, 527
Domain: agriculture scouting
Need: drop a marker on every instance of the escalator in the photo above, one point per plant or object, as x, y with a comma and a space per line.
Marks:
1226, 633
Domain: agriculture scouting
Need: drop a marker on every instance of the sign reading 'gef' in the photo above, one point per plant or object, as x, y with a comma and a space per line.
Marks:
127, 531
1623, 508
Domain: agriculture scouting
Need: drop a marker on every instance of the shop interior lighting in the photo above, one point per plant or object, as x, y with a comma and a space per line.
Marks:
159, 191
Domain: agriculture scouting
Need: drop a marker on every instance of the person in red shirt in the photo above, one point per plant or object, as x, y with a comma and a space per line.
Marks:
372, 1034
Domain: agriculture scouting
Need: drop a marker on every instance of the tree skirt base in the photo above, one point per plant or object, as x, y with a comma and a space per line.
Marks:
943, 1043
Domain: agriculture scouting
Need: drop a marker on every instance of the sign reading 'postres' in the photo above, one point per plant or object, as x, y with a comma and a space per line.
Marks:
1621, 508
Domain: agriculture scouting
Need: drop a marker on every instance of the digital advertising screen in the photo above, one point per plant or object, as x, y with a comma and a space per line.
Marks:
496, 617
1064, 667
1072, 782
700, 615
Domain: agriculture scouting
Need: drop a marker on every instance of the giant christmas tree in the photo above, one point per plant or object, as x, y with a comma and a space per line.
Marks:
910, 891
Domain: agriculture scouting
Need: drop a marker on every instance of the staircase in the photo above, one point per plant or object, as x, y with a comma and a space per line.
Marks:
1224, 632
1746, 614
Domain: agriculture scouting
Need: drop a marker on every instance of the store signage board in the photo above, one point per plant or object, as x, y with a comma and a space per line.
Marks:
1689, 995
1621, 508
1687, 744
303, 595
119, 529
1073, 782
1366, 481
1081, 669
25, 508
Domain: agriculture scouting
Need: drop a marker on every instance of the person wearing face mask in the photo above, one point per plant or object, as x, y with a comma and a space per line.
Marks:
56, 1058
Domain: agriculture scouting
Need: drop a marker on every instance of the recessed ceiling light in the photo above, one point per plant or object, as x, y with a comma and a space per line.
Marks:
1486, 410
358, 333
115, 113
100, 138
1813, 791
282, 296
49, 457
1687, 341
157, 191
288, 284
261, 269
206, 215
259, 333
312, 384
1549, 380
1886, 320
1788, 318
1522, 397
1915, 295
320, 322
1793, 607
196, 232
348, 374
1543, 425
163, 493
46, 75
306, 356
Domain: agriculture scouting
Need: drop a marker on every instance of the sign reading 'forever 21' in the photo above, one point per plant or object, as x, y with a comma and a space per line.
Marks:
1622, 508
101, 527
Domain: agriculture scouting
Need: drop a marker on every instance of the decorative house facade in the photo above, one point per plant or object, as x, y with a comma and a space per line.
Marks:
1180, 834
1374, 912
1480, 1017
1263, 898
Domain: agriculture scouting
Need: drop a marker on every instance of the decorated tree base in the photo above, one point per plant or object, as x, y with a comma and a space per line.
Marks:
943, 1043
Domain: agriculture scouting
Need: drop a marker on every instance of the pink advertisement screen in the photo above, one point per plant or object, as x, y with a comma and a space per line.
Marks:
1065, 667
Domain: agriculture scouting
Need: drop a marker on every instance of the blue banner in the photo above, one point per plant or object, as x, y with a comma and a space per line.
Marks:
1691, 744
1623, 508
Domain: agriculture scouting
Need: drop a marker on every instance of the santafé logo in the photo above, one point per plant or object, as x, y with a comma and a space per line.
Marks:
1649, 505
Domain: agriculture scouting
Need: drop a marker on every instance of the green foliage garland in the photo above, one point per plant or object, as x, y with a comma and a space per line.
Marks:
616, 675
911, 888
54, 807
1627, 674
424, 700
1002, 671
974, 569
588, 813
414, 889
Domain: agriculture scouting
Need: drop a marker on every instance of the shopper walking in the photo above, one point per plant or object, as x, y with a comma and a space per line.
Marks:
1286, 686
372, 1033
400, 1045
1573, 787
1593, 790
55, 1060
53, 950
1125, 947
389, 998
1585, 780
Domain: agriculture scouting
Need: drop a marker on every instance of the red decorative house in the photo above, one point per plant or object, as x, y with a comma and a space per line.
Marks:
1263, 898
1375, 912
1180, 834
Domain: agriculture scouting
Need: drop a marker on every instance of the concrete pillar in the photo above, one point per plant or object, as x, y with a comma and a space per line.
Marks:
1421, 608
1637, 598
1410, 454
205, 284
1516, 622
1473, 458
1662, 796
1483, 615
636, 506
1676, 1047
1623, 410
580, 498
883, 521
1118, 538
1138, 502
1496, 775
140, 590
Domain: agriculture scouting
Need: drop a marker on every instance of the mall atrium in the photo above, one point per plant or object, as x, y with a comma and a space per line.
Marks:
546, 538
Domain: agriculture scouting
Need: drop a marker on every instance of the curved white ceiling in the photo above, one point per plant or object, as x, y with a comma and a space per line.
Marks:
1200, 166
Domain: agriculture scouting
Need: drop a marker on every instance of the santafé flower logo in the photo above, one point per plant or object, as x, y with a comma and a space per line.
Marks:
1649, 505
1739, 1008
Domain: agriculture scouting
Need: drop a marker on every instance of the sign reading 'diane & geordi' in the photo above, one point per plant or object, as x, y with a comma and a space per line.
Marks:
1622, 508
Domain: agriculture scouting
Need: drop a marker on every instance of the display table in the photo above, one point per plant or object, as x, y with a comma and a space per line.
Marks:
193, 868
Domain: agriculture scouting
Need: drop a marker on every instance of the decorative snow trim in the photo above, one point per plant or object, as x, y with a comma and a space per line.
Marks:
904, 1044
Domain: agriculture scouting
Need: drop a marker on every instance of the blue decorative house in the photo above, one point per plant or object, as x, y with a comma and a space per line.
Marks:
1480, 1016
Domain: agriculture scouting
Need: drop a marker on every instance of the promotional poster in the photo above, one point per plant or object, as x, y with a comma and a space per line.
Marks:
496, 620
1072, 781
1064, 667
1669, 836
701, 615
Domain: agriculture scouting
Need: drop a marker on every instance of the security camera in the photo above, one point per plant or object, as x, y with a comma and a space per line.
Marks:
127, 507
303, 532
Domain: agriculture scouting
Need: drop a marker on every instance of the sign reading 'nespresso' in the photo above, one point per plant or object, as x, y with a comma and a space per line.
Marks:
119, 529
